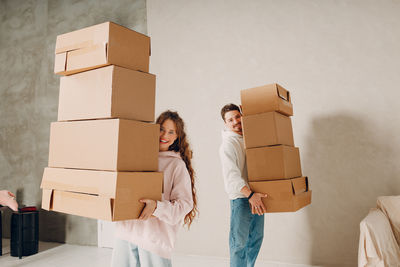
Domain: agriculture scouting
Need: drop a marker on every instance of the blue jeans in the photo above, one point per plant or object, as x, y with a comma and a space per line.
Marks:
246, 234
126, 254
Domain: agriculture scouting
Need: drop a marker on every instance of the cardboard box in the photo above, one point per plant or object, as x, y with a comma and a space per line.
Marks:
113, 144
108, 92
266, 129
104, 195
100, 45
273, 163
284, 195
267, 98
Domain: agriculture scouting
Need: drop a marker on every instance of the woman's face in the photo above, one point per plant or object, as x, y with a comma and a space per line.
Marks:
168, 134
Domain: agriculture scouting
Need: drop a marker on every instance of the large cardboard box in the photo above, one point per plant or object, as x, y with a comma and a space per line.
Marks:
108, 92
273, 163
100, 45
284, 195
267, 98
266, 129
104, 195
112, 144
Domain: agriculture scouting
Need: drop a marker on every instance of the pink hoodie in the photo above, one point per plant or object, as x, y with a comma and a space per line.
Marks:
158, 233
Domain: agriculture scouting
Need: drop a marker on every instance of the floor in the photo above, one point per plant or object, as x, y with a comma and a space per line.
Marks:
63, 255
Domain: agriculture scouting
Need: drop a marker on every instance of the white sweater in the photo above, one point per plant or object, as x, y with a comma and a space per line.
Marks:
233, 160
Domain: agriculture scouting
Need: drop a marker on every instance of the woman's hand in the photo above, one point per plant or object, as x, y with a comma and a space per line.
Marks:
149, 208
8, 199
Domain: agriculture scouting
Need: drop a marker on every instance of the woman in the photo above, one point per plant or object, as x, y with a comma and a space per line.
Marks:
149, 241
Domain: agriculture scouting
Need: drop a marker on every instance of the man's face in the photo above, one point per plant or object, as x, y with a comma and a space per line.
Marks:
233, 121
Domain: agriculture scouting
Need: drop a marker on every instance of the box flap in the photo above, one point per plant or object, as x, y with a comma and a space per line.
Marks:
299, 185
101, 183
47, 199
302, 200
88, 56
85, 205
60, 63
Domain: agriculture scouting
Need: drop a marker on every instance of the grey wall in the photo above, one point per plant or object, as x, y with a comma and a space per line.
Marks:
29, 96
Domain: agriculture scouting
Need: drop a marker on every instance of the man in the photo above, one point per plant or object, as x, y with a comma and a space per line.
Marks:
247, 219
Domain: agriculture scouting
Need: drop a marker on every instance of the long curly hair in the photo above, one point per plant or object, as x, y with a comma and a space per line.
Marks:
181, 145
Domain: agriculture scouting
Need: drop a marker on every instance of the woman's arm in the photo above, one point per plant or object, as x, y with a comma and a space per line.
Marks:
181, 201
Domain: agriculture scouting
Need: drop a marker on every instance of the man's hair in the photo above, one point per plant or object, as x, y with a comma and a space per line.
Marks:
227, 108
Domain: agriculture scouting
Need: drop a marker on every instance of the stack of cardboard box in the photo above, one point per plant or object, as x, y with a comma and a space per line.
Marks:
103, 153
273, 162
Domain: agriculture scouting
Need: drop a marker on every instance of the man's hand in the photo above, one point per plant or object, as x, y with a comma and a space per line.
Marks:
149, 208
257, 206
8, 199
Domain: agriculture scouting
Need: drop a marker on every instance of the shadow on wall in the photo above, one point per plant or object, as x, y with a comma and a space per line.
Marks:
52, 226
350, 163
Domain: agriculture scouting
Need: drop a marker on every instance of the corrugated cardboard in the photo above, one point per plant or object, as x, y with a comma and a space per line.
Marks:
108, 92
284, 195
266, 129
271, 97
273, 163
100, 45
104, 195
112, 144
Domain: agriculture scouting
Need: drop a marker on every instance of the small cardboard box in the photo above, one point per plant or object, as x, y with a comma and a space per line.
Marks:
273, 163
104, 195
284, 195
267, 98
112, 144
266, 129
108, 92
100, 45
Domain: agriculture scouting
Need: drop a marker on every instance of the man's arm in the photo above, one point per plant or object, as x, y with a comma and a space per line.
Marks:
233, 179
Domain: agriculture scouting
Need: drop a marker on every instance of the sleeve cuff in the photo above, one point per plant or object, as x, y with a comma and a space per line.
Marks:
157, 211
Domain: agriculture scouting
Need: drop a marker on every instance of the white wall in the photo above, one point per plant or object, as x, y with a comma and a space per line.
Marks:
339, 59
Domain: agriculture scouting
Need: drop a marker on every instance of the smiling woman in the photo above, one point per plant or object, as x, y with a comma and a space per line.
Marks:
150, 240
167, 134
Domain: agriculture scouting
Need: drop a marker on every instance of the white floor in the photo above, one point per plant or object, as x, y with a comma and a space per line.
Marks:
63, 255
